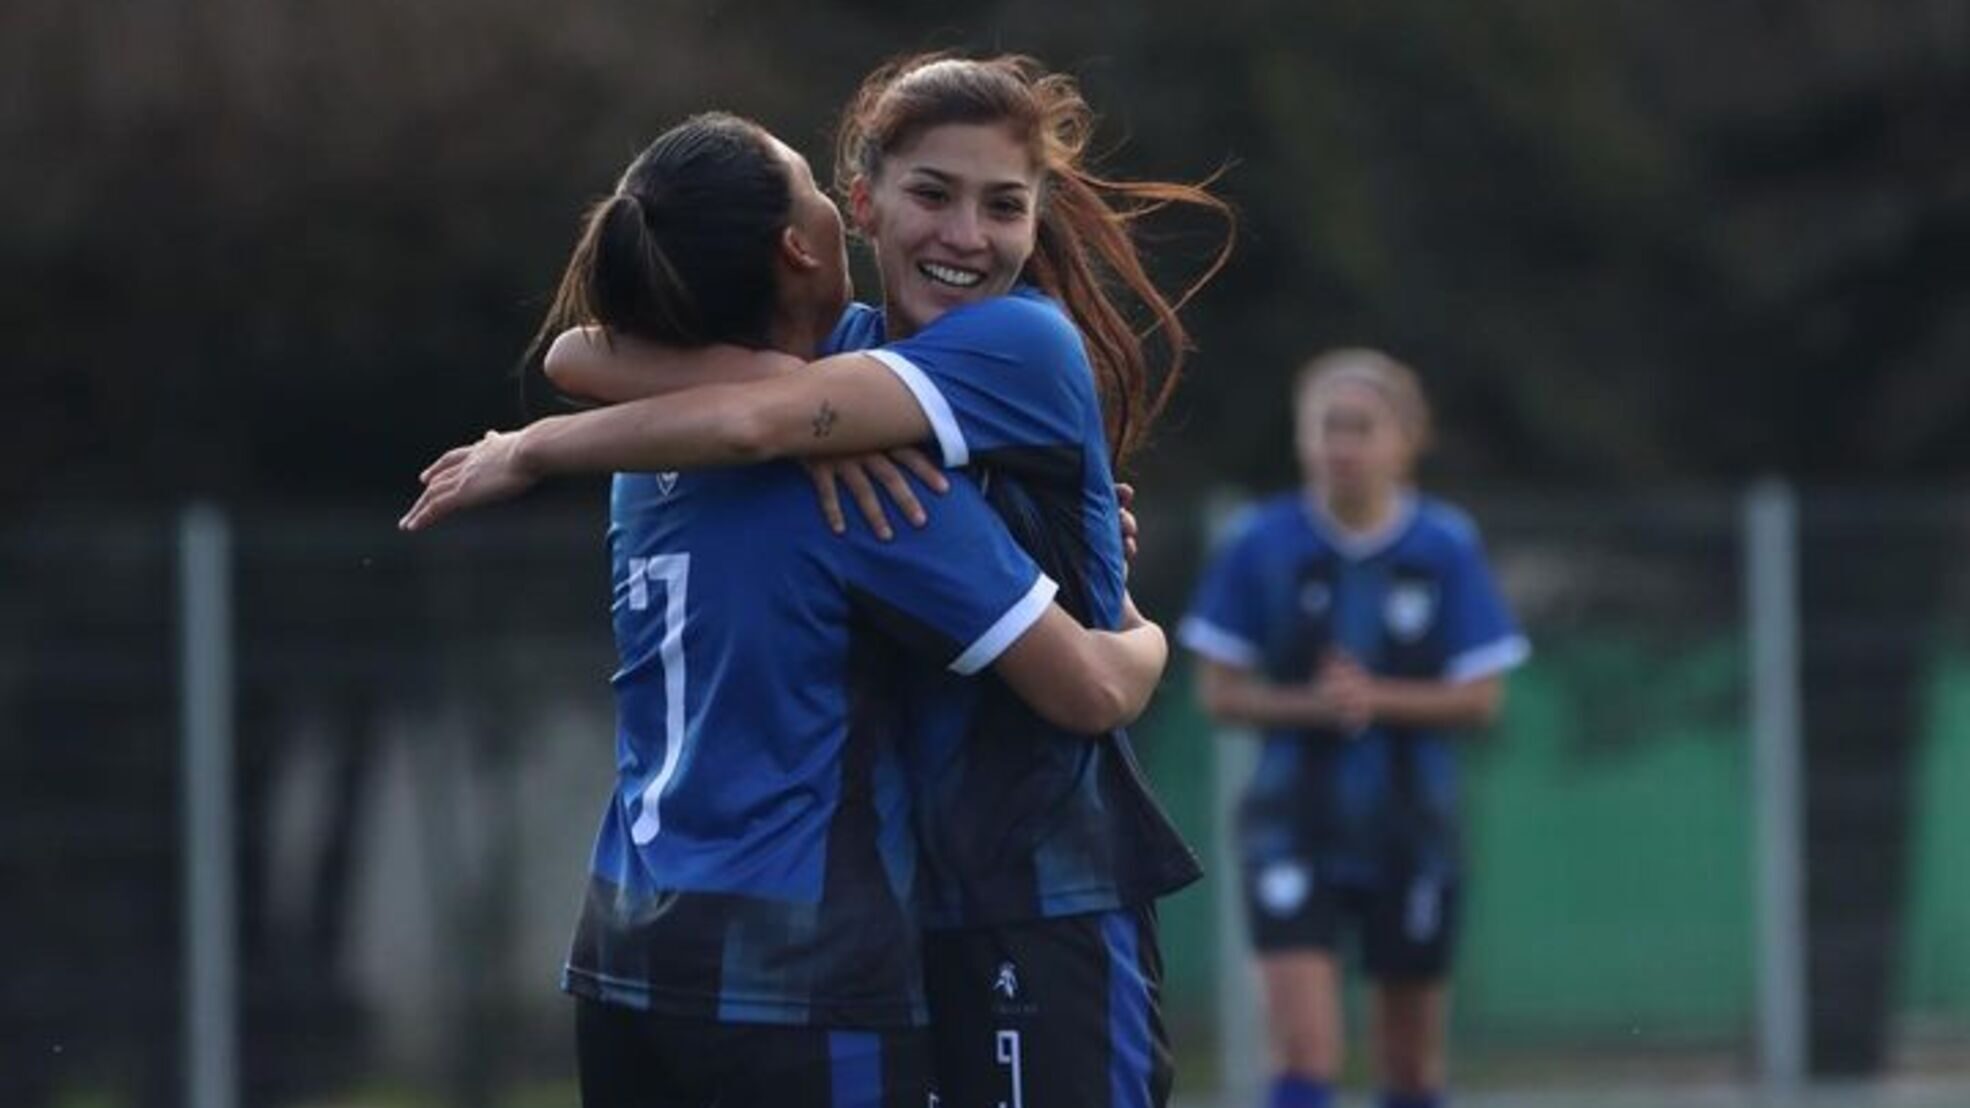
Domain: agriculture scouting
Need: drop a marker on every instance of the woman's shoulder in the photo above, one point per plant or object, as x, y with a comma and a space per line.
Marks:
1023, 311
1265, 520
1448, 525
859, 328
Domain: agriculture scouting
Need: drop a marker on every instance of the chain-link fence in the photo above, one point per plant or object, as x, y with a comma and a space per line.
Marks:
420, 745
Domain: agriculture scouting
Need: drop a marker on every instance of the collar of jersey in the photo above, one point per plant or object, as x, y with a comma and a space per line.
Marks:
1019, 291
1359, 546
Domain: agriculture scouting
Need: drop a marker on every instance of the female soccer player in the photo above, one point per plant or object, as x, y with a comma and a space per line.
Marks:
748, 935
1356, 624
1009, 279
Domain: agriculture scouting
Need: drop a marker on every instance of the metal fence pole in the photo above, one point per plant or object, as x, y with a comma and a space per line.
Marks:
1241, 1034
205, 663
1772, 595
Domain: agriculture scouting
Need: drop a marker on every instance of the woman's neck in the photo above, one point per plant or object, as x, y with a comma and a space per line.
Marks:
894, 327
1360, 515
798, 333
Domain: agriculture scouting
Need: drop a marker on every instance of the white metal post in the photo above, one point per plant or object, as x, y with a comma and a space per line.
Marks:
1771, 586
1241, 1032
205, 663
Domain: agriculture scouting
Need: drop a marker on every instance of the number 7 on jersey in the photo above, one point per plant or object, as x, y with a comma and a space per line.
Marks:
673, 571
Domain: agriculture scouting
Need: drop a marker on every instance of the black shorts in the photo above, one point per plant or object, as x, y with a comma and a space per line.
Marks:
629, 1058
1060, 1013
1407, 926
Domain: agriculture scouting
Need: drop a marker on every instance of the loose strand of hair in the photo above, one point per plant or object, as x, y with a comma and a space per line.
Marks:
1063, 268
1141, 199
570, 307
1092, 250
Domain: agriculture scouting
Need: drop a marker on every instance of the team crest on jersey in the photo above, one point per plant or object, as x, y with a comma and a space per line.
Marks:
1006, 984
1315, 597
666, 483
1284, 886
1409, 610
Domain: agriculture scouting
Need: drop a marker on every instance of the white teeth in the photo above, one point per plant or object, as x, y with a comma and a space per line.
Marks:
946, 275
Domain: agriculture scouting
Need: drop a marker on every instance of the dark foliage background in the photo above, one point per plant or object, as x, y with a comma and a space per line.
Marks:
287, 250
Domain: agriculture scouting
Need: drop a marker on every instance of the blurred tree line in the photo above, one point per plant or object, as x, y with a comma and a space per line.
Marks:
280, 250
285, 252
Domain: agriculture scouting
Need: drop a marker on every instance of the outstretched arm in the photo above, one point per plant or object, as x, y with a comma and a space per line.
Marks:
845, 404
848, 404
1089, 682
590, 363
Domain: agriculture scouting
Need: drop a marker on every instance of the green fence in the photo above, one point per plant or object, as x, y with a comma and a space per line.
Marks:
1611, 900
1936, 978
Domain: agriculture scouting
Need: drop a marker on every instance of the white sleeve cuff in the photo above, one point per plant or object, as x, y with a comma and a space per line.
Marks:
950, 440
1016, 622
1216, 643
1489, 660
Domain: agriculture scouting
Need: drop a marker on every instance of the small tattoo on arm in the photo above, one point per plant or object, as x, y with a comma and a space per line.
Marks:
824, 420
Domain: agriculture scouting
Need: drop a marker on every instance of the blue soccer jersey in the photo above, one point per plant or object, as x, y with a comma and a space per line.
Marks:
756, 863
1020, 820
1414, 601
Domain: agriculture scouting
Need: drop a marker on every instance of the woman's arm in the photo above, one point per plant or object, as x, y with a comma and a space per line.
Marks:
845, 404
1416, 702
848, 404
1233, 695
590, 363
1436, 703
1347, 697
1089, 682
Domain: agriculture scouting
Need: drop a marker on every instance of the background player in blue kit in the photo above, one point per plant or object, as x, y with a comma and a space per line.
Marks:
1004, 339
1356, 625
748, 937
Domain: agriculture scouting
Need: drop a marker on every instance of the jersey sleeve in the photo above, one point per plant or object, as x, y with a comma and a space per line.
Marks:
859, 328
1481, 637
1007, 372
1225, 622
958, 590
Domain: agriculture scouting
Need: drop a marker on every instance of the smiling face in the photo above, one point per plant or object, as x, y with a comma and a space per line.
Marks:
953, 217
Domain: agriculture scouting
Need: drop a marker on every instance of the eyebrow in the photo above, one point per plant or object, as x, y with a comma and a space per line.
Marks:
944, 178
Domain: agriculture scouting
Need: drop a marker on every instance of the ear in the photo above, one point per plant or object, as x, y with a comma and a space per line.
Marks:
862, 207
794, 252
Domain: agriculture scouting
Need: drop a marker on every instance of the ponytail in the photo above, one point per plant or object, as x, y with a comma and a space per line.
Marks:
619, 277
681, 253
